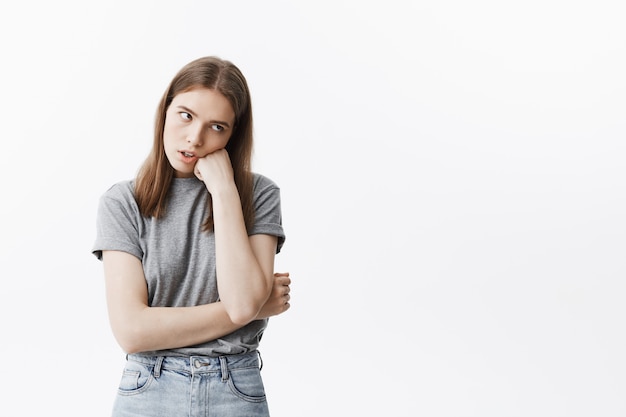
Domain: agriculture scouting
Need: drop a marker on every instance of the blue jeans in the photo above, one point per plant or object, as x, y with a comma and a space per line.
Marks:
194, 386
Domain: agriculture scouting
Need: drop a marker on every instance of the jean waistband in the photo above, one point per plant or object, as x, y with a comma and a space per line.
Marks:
200, 364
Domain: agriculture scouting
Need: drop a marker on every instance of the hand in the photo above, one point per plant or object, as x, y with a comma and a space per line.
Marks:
214, 169
278, 301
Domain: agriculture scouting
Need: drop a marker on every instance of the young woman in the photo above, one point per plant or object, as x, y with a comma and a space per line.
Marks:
188, 251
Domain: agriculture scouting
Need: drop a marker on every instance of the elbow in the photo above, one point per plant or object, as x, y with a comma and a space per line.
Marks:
245, 308
241, 316
244, 311
131, 340
130, 348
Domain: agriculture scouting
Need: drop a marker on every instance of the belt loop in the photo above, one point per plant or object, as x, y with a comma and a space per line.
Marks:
224, 366
260, 360
157, 367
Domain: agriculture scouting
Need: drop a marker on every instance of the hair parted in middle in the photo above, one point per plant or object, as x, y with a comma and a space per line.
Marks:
156, 174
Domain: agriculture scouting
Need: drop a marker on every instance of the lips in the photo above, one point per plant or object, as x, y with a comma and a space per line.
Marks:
187, 157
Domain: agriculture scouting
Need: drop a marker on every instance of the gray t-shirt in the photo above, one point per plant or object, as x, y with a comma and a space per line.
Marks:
178, 257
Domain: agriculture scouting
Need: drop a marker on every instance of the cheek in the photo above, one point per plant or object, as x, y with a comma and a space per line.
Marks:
217, 141
169, 133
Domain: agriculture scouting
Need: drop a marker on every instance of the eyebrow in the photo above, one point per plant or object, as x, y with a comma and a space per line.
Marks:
188, 110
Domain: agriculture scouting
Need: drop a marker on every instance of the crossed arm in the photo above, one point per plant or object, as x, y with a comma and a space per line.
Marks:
138, 327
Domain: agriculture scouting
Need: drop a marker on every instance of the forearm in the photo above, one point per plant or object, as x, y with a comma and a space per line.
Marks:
154, 328
138, 327
243, 282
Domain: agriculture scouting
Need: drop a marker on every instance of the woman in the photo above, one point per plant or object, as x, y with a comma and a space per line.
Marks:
188, 251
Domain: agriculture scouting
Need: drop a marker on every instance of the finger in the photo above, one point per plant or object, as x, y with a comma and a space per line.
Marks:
283, 281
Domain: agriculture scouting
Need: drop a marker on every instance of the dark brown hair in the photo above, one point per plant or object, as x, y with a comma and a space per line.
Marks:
155, 175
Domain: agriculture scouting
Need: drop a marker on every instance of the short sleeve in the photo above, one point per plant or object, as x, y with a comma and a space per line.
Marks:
117, 222
268, 216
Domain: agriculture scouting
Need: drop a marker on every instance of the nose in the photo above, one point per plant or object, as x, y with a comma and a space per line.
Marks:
194, 138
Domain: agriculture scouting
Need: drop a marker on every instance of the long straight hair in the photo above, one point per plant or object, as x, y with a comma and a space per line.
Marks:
155, 175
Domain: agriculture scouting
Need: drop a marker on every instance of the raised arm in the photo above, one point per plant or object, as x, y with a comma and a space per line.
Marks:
244, 265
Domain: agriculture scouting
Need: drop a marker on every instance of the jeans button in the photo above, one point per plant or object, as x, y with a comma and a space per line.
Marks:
197, 363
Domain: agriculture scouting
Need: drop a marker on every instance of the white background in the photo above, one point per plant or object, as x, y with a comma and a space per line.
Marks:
452, 175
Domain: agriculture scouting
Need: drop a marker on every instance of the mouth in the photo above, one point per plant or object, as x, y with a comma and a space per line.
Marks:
187, 157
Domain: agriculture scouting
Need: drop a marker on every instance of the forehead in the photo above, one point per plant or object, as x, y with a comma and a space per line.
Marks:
205, 103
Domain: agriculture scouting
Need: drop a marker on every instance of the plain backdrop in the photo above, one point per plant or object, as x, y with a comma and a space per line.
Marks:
452, 175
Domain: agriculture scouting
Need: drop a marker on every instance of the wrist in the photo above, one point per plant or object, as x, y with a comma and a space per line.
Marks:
223, 190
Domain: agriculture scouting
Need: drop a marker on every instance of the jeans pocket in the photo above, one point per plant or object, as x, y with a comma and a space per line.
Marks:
246, 383
136, 378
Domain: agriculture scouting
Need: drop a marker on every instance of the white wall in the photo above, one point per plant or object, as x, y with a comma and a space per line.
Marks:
453, 192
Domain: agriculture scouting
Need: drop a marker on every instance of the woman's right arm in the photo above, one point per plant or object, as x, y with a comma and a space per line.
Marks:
138, 327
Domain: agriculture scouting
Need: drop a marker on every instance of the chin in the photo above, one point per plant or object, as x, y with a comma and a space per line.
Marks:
183, 174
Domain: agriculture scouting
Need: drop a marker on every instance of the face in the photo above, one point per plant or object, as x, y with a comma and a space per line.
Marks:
197, 122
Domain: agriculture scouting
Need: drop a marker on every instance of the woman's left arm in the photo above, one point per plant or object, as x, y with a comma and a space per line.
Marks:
245, 264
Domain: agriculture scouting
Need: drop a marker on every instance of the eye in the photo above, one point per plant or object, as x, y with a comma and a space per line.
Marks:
217, 128
184, 115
